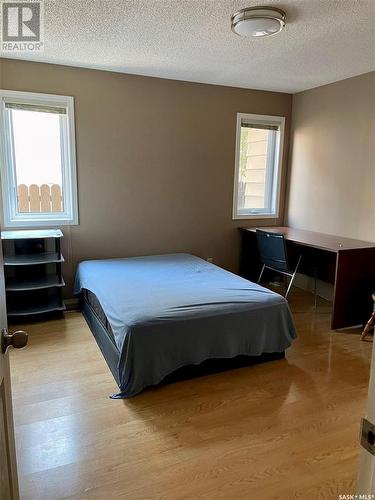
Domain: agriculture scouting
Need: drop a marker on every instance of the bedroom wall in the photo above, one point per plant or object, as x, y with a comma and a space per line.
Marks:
155, 161
332, 159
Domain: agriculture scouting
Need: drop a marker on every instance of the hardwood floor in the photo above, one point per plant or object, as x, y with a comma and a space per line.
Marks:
287, 429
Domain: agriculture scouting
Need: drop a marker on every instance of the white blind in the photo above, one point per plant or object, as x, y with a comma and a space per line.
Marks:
261, 126
40, 108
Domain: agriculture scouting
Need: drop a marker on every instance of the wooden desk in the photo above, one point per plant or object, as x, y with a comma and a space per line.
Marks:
348, 264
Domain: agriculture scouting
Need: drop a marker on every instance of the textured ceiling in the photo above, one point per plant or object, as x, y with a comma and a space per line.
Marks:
324, 41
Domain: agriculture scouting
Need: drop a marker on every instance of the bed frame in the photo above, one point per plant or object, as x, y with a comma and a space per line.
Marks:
106, 344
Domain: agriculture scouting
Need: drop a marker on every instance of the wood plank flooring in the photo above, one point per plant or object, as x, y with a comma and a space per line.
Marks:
287, 429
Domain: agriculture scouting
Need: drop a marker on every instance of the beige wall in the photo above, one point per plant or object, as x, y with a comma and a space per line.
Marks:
155, 160
332, 172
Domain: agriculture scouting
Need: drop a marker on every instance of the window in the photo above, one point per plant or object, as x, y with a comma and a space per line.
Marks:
259, 144
38, 166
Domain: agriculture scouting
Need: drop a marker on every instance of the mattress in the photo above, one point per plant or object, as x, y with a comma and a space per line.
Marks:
168, 311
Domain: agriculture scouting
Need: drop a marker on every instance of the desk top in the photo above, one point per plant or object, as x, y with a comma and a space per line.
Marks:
316, 240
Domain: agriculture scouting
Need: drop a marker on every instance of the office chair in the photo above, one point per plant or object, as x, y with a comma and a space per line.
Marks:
273, 255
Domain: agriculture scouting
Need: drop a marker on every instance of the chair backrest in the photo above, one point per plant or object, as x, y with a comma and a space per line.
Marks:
272, 251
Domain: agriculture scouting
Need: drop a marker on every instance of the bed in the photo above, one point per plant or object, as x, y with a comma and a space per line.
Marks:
154, 315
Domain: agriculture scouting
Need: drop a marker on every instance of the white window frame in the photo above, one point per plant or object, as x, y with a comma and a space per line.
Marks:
274, 170
11, 216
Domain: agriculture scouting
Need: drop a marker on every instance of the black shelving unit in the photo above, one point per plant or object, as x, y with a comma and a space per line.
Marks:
33, 274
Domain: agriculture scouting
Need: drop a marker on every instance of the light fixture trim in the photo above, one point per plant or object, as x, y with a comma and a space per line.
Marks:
255, 13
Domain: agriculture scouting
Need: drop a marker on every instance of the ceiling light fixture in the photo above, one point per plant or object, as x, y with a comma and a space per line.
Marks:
258, 21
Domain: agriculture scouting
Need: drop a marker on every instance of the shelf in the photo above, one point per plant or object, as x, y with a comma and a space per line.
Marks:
33, 279
51, 306
35, 283
32, 259
31, 234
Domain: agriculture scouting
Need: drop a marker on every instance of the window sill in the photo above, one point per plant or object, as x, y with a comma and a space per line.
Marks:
255, 216
36, 223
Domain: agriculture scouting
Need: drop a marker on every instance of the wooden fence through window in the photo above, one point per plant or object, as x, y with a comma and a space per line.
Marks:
44, 198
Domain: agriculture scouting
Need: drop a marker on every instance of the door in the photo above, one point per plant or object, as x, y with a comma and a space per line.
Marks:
8, 467
366, 476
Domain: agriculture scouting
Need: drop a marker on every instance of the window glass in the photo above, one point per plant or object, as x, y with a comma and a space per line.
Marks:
37, 157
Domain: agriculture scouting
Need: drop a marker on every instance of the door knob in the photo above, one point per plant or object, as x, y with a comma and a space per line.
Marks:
17, 339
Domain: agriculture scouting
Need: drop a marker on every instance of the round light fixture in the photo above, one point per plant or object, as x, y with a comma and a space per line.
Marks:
258, 21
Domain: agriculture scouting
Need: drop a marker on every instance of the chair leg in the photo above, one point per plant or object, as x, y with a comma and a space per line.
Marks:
261, 273
369, 325
289, 286
293, 276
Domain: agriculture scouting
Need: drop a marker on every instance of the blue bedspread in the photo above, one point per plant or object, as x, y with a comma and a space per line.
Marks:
167, 311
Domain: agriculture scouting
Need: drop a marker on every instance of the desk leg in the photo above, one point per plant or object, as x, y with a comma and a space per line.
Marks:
354, 282
250, 264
